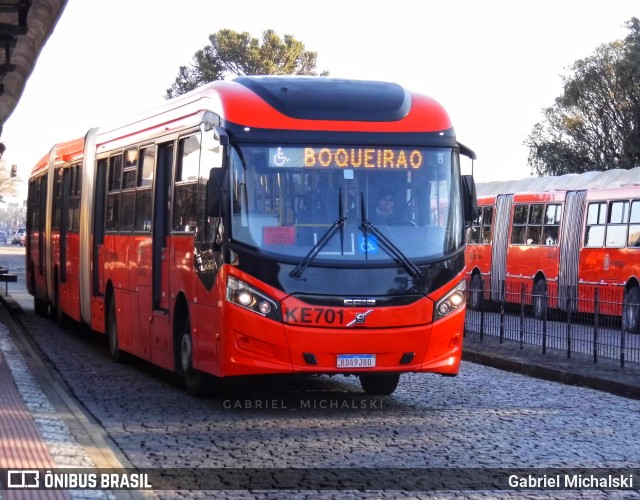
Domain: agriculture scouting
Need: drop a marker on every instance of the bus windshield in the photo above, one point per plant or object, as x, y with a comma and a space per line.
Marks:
284, 199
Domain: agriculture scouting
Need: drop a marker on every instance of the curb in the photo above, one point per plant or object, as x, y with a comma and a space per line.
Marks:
556, 368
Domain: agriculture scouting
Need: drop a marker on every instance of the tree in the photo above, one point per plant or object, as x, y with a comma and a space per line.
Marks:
595, 123
230, 53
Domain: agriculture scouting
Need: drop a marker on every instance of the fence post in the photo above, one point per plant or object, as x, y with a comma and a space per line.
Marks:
622, 339
596, 320
502, 309
569, 313
522, 316
482, 309
544, 320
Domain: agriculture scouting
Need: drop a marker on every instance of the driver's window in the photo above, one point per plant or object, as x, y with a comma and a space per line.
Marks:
186, 186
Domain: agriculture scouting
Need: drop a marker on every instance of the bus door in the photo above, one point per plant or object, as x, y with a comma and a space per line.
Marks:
160, 229
97, 249
140, 263
39, 229
62, 197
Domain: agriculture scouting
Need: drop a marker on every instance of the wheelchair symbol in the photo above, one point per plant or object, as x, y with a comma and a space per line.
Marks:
279, 159
368, 244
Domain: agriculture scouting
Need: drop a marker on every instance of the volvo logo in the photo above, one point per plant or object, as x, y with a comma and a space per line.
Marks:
359, 302
360, 318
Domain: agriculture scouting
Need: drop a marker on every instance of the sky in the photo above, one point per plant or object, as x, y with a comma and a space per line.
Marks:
494, 65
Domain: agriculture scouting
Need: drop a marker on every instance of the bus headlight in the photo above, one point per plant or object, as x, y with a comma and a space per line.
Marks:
248, 297
450, 302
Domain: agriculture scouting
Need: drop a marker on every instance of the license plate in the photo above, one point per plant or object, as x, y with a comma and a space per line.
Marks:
356, 361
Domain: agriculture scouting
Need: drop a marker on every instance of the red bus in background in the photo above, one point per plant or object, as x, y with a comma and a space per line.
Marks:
559, 245
233, 232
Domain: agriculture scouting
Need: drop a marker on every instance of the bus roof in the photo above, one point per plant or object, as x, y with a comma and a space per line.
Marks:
64, 152
614, 193
526, 197
295, 103
569, 182
283, 102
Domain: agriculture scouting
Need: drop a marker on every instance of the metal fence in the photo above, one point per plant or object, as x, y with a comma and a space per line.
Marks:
590, 324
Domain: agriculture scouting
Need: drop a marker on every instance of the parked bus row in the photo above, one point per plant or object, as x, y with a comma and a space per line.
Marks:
559, 247
235, 231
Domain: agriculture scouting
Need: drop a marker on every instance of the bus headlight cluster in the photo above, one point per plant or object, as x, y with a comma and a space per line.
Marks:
246, 296
450, 302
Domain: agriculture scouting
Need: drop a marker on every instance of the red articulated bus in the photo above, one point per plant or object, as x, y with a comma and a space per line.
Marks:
233, 231
559, 245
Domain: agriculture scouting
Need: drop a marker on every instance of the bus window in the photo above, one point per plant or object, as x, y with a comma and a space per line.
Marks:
534, 231
487, 220
596, 217
127, 202
130, 172
552, 225
634, 225
57, 199
519, 229
617, 224
474, 231
75, 189
186, 191
480, 232
143, 193
113, 198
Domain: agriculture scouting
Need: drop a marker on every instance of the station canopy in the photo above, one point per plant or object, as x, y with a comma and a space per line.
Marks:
25, 26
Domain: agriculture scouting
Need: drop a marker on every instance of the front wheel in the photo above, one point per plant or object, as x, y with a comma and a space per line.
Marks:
631, 311
379, 384
194, 380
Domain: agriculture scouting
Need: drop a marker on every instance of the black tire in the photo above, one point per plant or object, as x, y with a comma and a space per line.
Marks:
194, 380
476, 292
539, 299
631, 311
379, 384
112, 334
62, 320
41, 307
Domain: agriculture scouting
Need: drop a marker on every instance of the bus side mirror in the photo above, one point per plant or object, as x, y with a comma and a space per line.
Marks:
469, 198
214, 192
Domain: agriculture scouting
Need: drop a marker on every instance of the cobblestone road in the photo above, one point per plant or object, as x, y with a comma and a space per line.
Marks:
483, 418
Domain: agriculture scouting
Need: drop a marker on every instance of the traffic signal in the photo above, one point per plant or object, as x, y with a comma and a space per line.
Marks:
14, 170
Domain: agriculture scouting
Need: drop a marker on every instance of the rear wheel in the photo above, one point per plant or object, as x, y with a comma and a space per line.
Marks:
539, 299
379, 384
41, 307
194, 380
631, 311
476, 291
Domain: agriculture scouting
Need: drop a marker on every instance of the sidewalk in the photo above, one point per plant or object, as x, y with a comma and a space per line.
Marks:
25, 416
605, 375
35, 419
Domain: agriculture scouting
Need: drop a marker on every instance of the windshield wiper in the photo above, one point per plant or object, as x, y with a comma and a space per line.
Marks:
387, 245
322, 242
